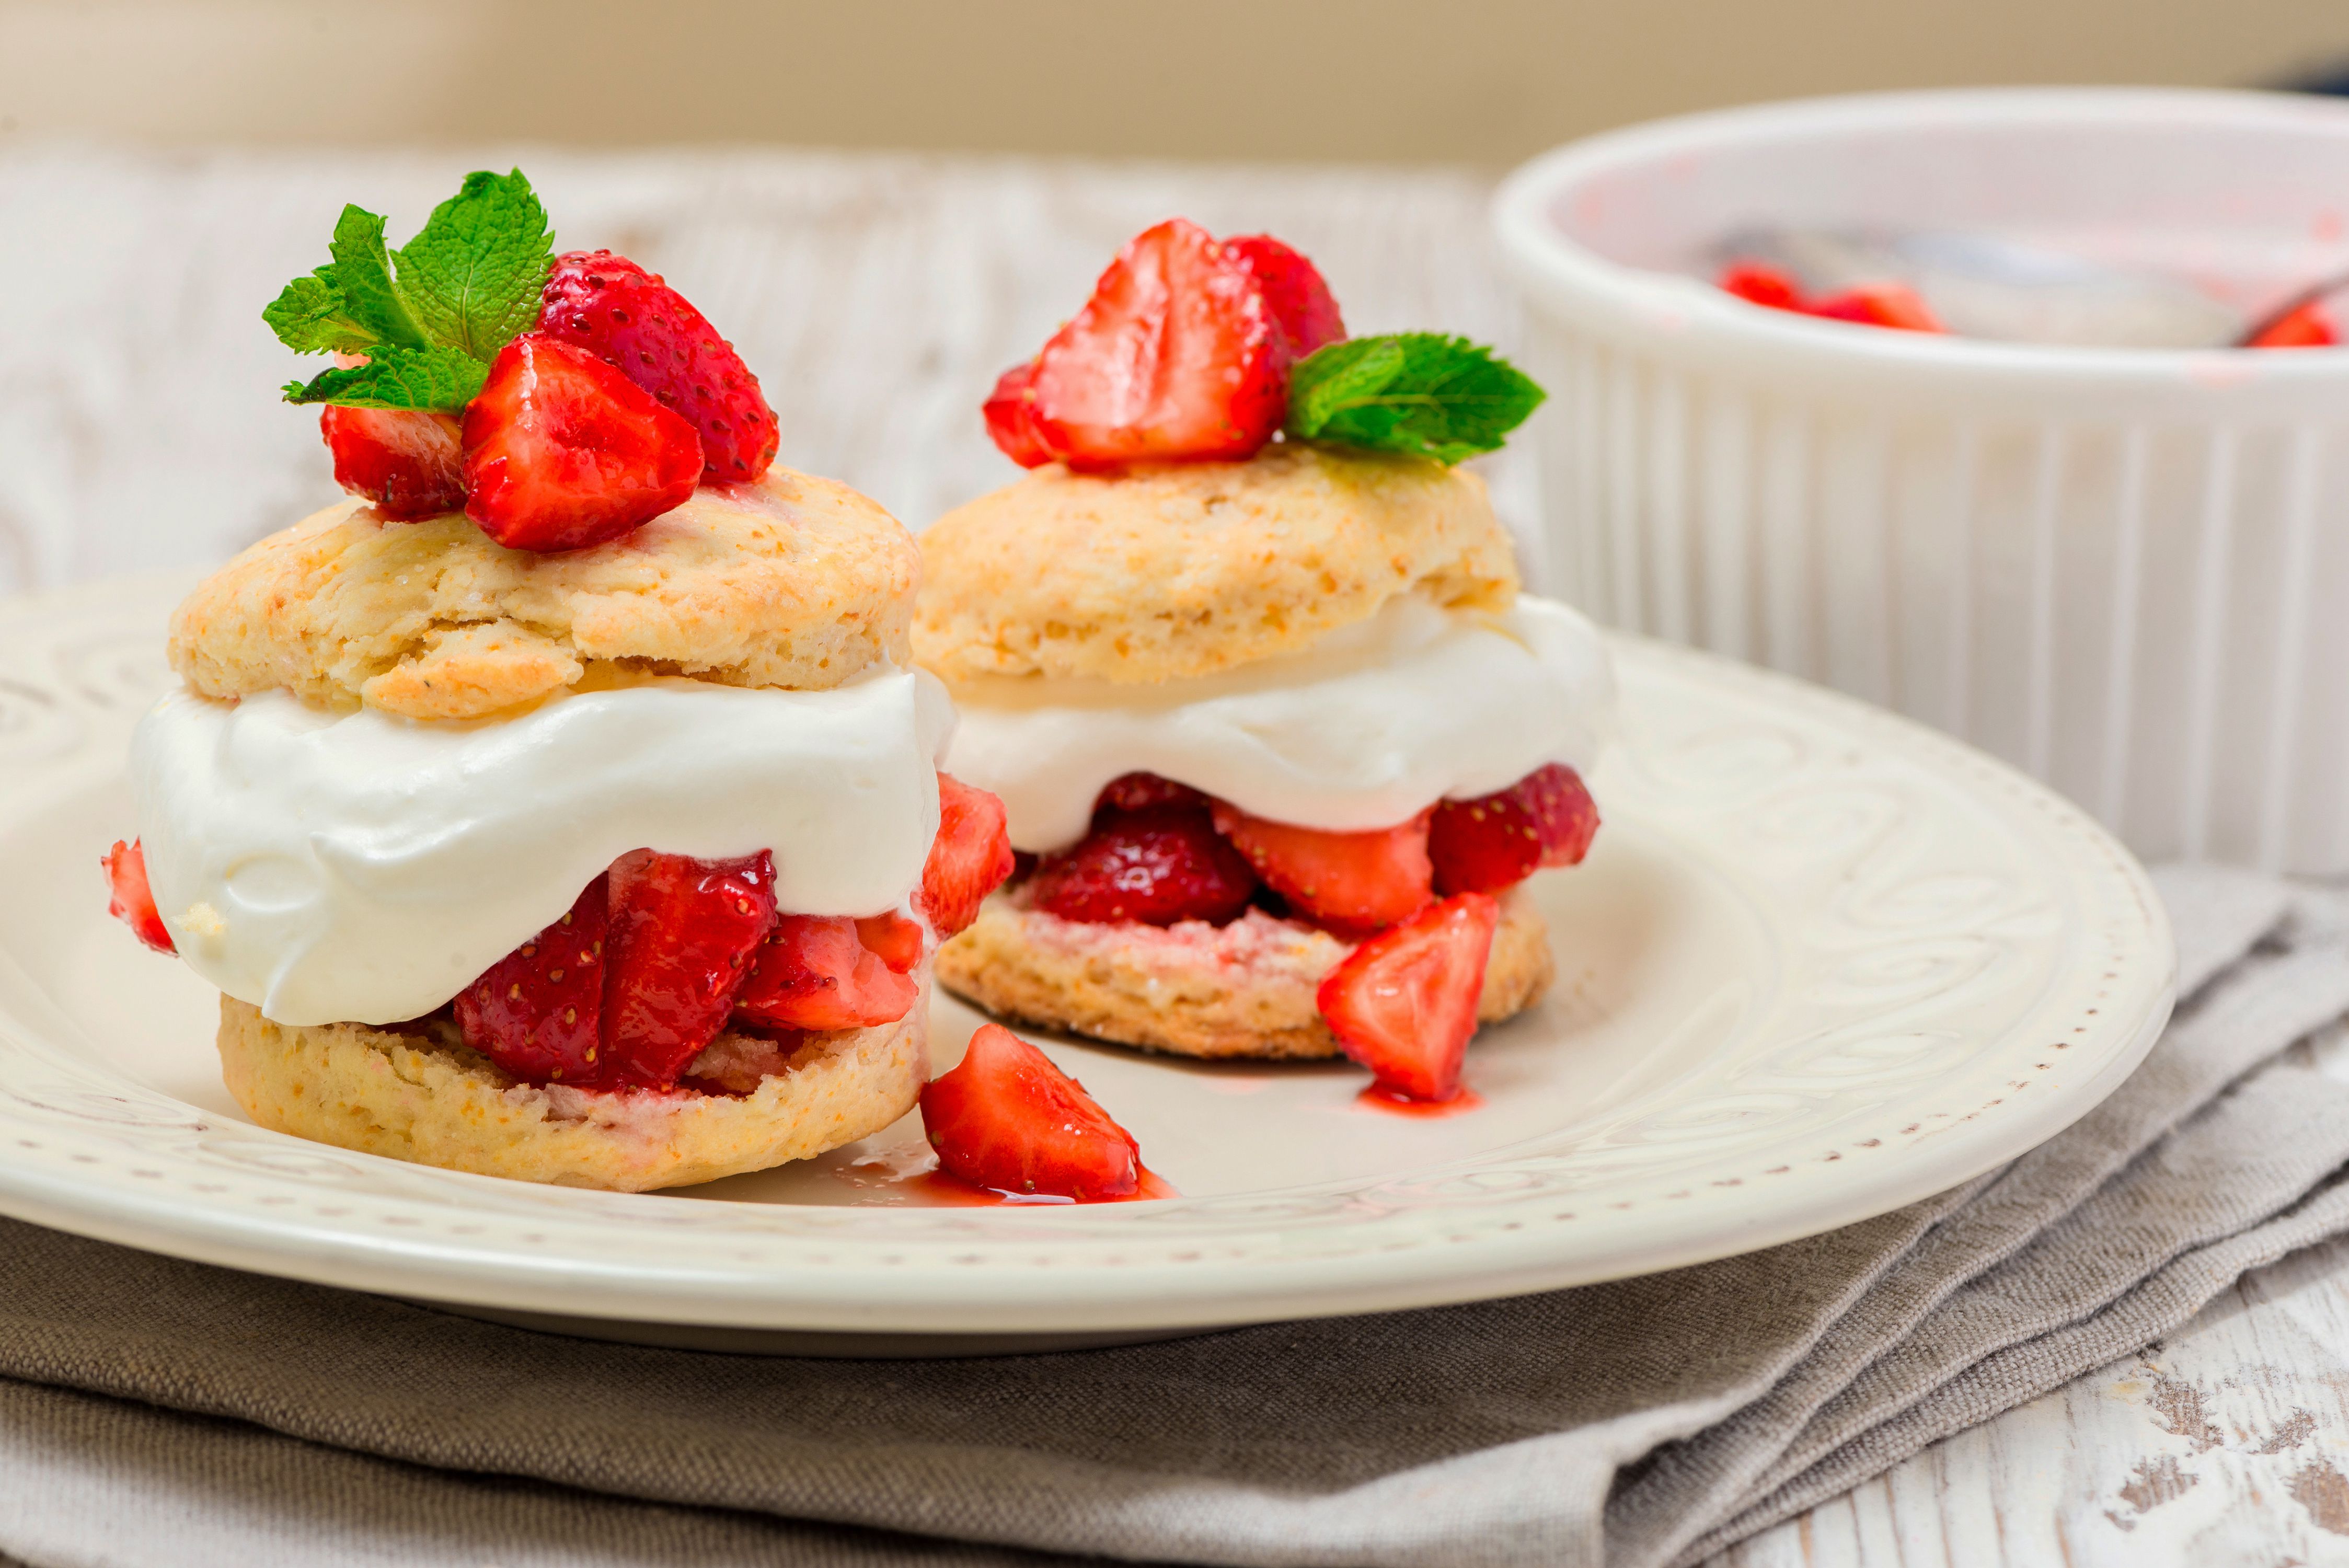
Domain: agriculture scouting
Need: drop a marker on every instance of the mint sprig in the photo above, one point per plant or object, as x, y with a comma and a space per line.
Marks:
430, 316
1422, 393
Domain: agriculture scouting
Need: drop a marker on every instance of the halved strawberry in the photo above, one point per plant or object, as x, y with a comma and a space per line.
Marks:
562, 451
682, 937
1139, 791
1494, 842
538, 1012
1175, 356
1359, 882
1010, 418
968, 859
1300, 300
1157, 866
812, 973
627, 316
896, 940
1403, 1004
1006, 1119
129, 900
408, 461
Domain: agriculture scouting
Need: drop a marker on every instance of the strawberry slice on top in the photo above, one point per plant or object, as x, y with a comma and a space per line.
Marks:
1403, 1004
1355, 882
1295, 290
562, 452
1006, 1118
1177, 354
630, 318
410, 462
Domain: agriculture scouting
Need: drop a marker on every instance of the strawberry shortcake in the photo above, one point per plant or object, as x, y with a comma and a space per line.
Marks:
563, 804
1245, 656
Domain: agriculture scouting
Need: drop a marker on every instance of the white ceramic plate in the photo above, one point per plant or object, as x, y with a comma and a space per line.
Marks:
1821, 963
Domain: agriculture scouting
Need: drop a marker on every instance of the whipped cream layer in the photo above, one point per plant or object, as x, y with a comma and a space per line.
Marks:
1364, 729
361, 868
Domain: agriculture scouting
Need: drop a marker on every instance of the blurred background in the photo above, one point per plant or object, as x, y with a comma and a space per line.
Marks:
1485, 82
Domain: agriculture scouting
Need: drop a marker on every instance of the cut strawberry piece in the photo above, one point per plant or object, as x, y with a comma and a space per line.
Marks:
129, 900
2305, 325
1895, 305
812, 972
893, 939
682, 937
1006, 1119
1494, 842
408, 461
1300, 301
968, 859
627, 316
562, 452
1010, 418
1155, 866
1756, 283
1141, 791
1175, 356
1358, 882
538, 1012
1403, 1004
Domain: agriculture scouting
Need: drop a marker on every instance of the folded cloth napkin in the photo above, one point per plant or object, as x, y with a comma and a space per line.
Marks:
157, 1412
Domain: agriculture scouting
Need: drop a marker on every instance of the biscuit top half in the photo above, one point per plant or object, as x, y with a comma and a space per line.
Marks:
1170, 570
792, 581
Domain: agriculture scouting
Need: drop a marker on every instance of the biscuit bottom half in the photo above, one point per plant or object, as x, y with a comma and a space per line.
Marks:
417, 1092
1243, 989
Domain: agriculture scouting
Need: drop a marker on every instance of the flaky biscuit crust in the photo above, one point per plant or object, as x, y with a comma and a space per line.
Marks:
1169, 570
793, 582
418, 1094
1245, 989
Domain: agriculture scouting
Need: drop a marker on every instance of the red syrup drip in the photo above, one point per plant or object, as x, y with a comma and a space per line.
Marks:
1384, 1101
933, 1187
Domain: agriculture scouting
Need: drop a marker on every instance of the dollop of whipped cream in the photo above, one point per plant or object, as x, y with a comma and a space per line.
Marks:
362, 868
1365, 729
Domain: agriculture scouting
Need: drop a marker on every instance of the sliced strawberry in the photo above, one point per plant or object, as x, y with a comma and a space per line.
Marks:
408, 461
1757, 283
1358, 882
682, 937
2305, 325
627, 316
1175, 356
1403, 1004
1139, 791
1010, 418
1155, 866
1300, 301
812, 972
1494, 842
538, 1012
894, 939
1006, 1119
129, 900
1888, 304
562, 451
968, 859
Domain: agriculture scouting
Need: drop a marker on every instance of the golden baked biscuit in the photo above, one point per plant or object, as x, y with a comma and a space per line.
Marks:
1243, 989
416, 1092
1168, 571
793, 582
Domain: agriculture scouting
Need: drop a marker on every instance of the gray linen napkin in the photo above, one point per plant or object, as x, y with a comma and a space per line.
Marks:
156, 1412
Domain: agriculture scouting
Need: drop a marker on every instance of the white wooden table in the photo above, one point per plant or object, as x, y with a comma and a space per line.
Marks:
140, 430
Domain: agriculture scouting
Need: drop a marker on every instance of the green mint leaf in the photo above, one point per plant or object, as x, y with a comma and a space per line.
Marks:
474, 273
1419, 392
362, 276
309, 317
433, 377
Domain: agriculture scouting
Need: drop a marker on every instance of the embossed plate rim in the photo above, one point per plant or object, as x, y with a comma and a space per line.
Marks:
162, 1178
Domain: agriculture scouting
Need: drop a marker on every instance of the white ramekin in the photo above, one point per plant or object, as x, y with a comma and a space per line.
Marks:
2126, 571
